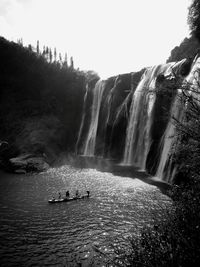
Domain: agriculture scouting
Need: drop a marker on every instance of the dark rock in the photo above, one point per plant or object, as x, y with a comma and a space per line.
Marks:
28, 163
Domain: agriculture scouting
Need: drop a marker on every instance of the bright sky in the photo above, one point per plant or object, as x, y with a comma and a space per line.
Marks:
107, 36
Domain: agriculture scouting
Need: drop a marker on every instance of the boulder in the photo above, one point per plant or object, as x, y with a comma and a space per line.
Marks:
28, 163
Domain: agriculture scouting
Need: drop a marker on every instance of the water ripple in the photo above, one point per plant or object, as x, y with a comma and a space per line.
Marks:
35, 233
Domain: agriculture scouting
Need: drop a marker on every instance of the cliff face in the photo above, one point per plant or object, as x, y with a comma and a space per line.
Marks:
130, 117
105, 116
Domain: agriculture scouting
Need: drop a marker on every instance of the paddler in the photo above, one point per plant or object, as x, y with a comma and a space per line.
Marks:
67, 194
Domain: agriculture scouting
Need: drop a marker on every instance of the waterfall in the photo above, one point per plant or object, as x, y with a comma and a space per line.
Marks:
138, 130
167, 140
138, 139
135, 123
110, 98
90, 143
83, 119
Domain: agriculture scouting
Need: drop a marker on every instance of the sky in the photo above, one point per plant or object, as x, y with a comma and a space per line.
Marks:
107, 36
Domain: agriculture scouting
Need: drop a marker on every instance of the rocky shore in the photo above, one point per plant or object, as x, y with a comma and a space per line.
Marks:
28, 163
22, 163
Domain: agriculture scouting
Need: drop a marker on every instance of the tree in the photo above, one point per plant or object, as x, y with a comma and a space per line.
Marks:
38, 48
30, 48
50, 55
187, 49
32, 89
20, 41
55, 55
44, 51
65, 64
194, 19
47, 53
60, 58
71, 63
187, 141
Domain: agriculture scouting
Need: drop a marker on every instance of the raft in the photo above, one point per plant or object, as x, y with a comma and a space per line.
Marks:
52, 201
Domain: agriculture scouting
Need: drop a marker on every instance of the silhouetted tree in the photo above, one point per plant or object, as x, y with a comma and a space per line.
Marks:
20, 41
38, 48
60, 58
65, 64
50, 55
187, 49
47, 53
194, 19
30, 48
71, 63
44, 51
40, 103
55, 55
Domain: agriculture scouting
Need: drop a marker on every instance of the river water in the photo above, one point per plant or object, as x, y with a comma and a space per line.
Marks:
36, 233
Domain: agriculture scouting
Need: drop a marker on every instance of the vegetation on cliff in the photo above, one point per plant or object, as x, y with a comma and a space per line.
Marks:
188, 48
194, 19
41, 100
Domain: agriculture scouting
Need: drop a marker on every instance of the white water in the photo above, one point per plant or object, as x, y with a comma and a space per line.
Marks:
110, 99
83, 118
138, 133
167, 141
138, 138
177, 111
123, 108
96, 105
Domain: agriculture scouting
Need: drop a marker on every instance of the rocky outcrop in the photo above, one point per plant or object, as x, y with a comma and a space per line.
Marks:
28, 163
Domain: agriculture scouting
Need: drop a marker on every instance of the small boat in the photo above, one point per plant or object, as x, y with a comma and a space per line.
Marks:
52, 201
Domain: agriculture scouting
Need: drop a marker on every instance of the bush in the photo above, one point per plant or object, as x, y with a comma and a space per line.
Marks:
173, 242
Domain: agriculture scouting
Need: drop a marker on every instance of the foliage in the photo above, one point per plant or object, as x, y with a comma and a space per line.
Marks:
194, 18
39, 94
188, 48
172, 242
186, 151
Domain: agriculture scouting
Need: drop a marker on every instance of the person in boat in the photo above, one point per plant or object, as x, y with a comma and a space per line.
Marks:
67, 194
77, 194
88, 193
59, 195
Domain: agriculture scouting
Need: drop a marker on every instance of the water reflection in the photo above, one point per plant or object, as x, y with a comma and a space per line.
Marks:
34, 232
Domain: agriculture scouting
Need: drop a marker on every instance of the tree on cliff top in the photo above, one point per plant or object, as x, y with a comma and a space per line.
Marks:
194, 19
187, 49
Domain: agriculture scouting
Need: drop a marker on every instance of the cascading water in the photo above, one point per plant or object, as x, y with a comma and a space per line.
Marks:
147, 119
83, 119
123, 108
90, 143
138, 131
110, 99
167, 140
